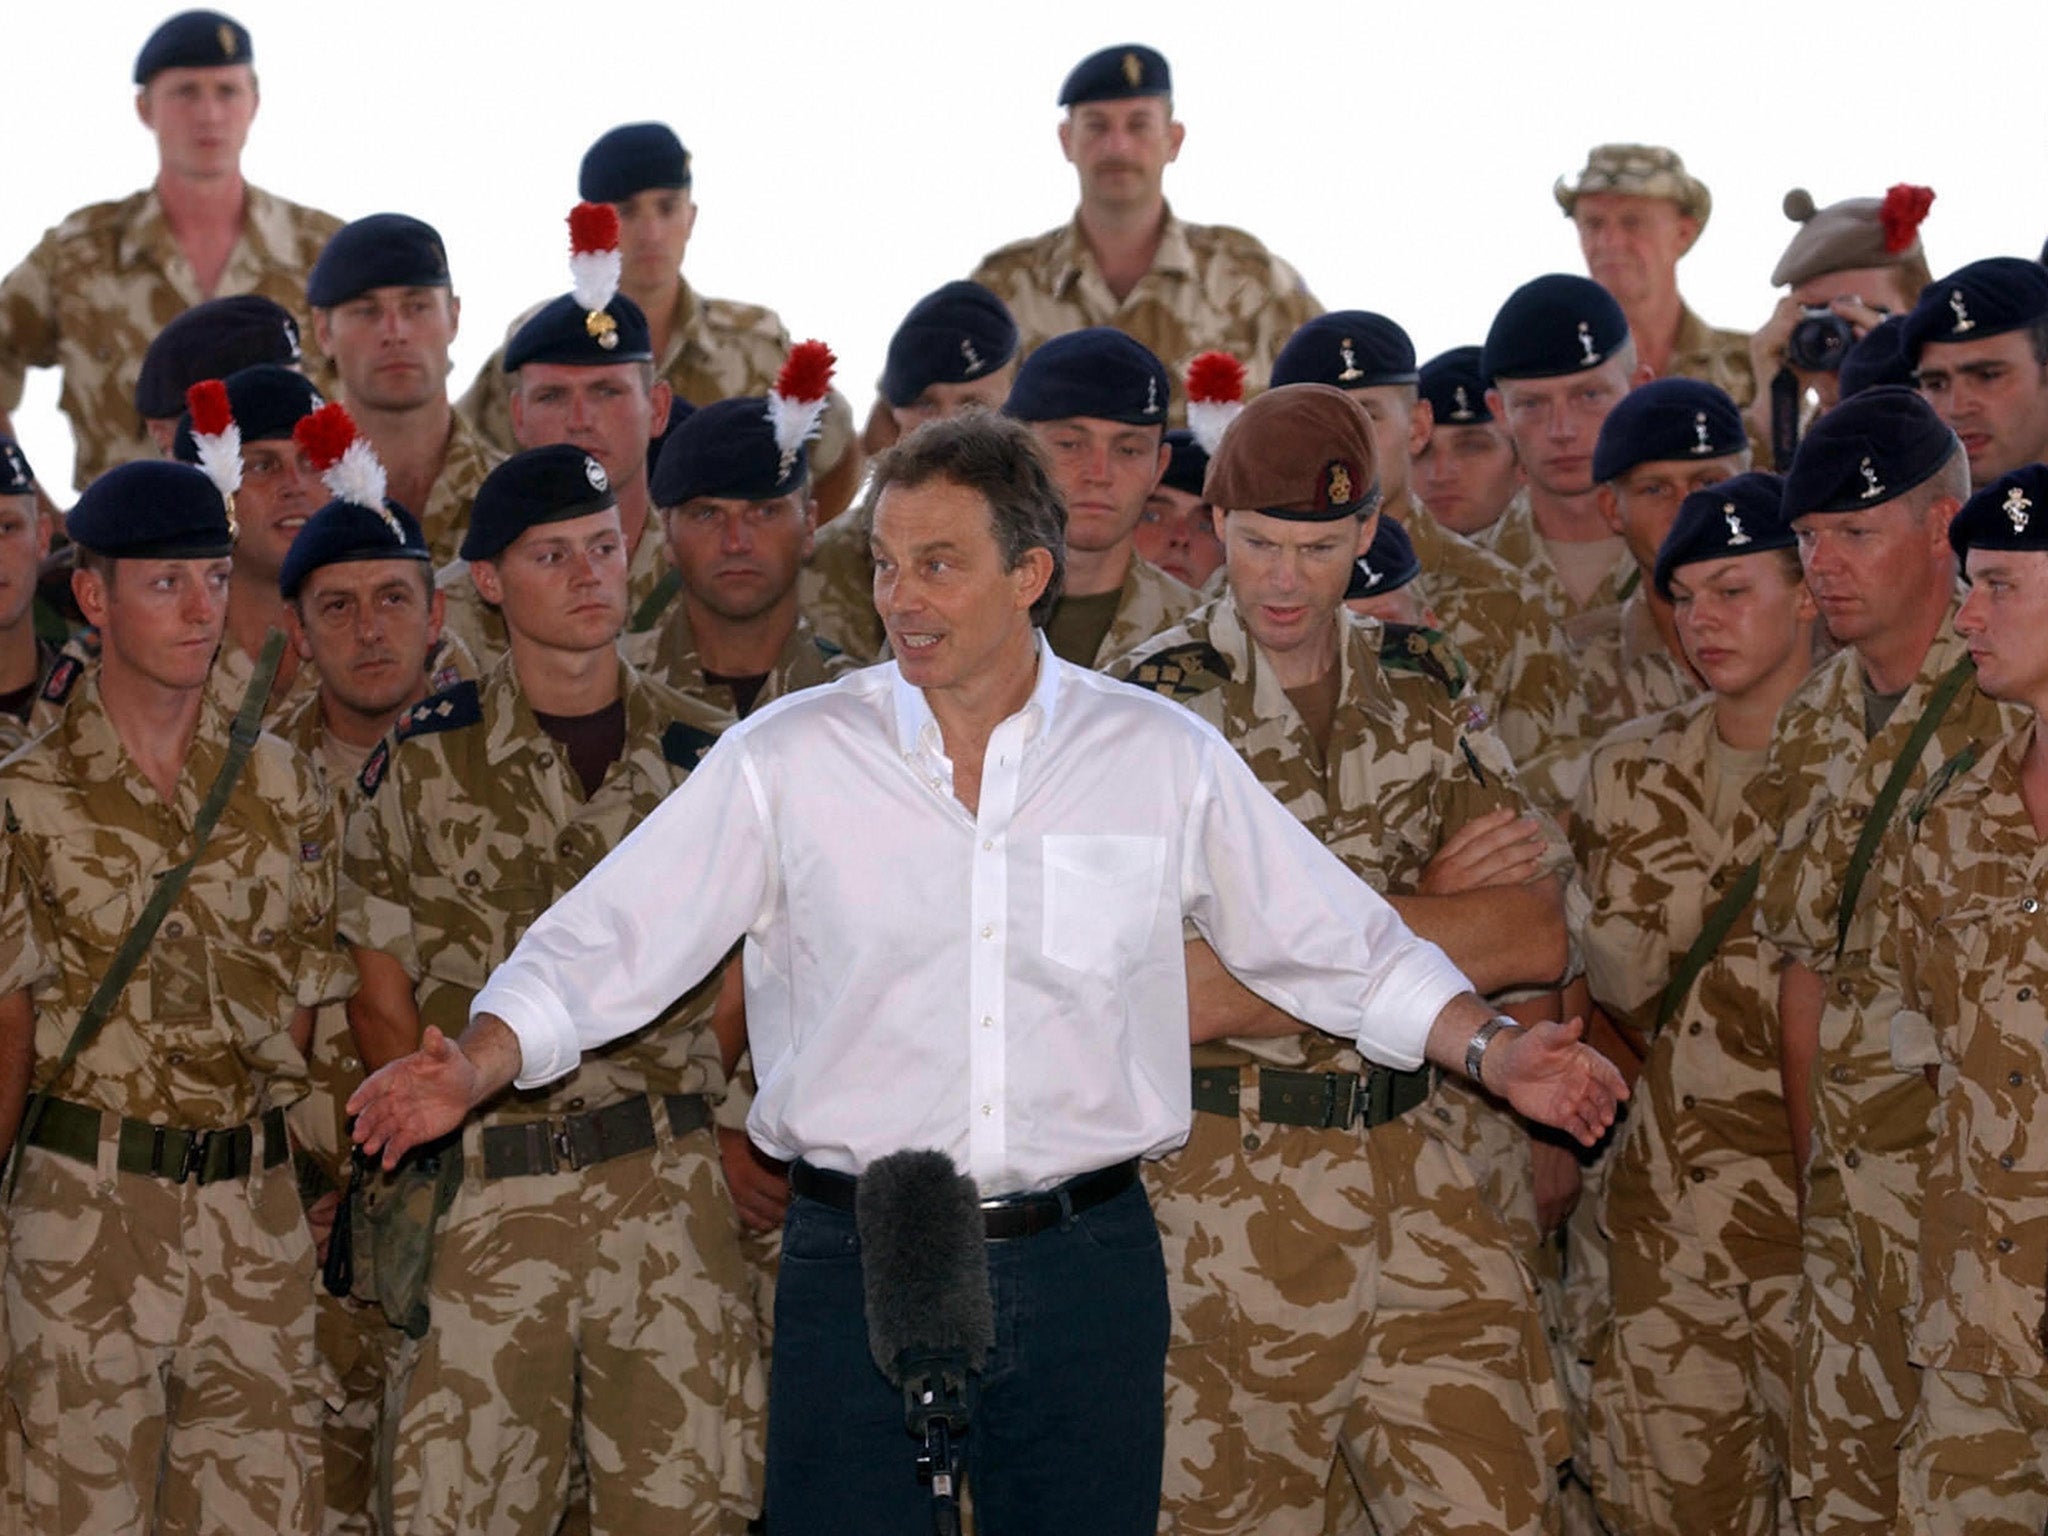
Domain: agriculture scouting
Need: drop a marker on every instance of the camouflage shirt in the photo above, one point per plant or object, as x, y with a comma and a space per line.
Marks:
1404, 767
1514, 538
1618, 675
1209, 286
200, 1035
94, 292
1149, 602
45, 705
836, 588
1706, 1152
1713, 356
234, 669
717, 349
472, 823
1973, 961
668, 654
446, 516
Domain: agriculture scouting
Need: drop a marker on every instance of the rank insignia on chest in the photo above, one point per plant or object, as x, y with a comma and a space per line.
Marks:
374, 767
62, 679
448, 710
2017, 505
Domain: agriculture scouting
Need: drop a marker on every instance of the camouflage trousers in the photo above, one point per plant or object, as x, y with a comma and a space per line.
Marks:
1692, 1398
163, 1374
1975, 1458
1855, 1386
1333, 1285
601, 1311
358, 1344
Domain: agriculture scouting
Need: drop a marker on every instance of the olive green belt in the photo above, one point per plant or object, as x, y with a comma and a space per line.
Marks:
595, 1136
1322, 1100
172, 1152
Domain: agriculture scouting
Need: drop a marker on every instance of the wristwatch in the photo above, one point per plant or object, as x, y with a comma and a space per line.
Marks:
1482, 1037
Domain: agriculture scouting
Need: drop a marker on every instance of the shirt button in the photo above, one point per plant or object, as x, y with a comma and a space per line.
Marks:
1838, 1074
1694, 1027
175, 1059
1251, 1143
546, 759
2025, 993
987, 1110
1699, 1175
988, 845
1852, 1159
566, 847
575, 1104
2030, 905
2004, 1245
265, 938
2016, 1079
471, 877
1689, 1102
174, 929
1842, 987
988, 1021
988, 930
2006, 1162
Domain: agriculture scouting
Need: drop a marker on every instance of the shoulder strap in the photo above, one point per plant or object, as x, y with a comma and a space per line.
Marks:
1887, 801
241, 738
656, 602
1711, 935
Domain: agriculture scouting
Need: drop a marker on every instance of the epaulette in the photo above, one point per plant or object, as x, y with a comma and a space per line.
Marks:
1940, 780
1182, 671
63, 678
684, 744
449, 710
1429, 653
375, 766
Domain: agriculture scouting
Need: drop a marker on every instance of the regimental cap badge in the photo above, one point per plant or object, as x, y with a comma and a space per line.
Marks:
1871, 489
2017, 506
1337, 490
1735, 530
972, 357
226, 34
1586, 342
1134, 70
1701, 447
1963, 322
594, 473
1371, 577
1351, 368
1462, 404
1151, 395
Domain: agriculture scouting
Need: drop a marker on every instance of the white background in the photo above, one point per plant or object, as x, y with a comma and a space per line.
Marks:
849, 158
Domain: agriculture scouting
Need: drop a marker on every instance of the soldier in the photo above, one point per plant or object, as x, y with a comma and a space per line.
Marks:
385, 312
1665, 440
1870, 496
97, 287
1295, 1145
159, 1283
277, 487
1124, 260
1495, 615
582, 370
1558, 358
1638, 211
1972, 976
210, 341
956, 350
1979, 339
26, 662
1177, 530
1096, 401
705, 349
585, 1298
1384, 584
1691, 1388
1465, 472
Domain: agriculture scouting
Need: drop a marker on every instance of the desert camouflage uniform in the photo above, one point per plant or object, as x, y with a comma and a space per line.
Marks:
1691, 1390
467, 460
1341, 1285
97, 288
163, 1368
481, 628
234, 669
596, 1313
1149, 602
717, 348
1712, 355
1209, 286
1619, 674
668, 654
1514, 538
1973, 961
1872, 1122
836, 587
44, 705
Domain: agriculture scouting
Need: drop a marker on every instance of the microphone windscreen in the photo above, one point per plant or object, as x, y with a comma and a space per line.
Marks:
924, 1265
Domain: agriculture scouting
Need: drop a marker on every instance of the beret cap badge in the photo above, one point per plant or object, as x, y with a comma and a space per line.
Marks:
1337, 483
2017, 506
1134, 70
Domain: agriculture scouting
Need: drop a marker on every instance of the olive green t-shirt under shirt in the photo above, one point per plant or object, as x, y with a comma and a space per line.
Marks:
1079, 625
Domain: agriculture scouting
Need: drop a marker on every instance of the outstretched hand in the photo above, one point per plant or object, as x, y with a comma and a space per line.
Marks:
415, 1099
1549, 1074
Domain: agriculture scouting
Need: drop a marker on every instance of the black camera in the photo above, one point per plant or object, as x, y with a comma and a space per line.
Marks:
1819, 341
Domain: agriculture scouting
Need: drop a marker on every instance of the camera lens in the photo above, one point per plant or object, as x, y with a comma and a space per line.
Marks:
1818, 342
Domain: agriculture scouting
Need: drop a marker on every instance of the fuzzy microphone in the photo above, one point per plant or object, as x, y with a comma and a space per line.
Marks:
931, 1322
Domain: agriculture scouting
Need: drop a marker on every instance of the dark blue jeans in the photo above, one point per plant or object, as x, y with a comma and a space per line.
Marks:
1068, 1433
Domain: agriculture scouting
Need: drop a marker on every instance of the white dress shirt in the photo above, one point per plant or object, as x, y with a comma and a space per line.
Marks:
1008, 986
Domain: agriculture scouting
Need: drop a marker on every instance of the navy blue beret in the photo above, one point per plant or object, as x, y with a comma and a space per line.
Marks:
1455, 387
957, 334
267, 402
1867, 451
1387, 565
194, 40
725, 449
1117, 74
1350, 348
560, 332
1189, 465
1879, 358
630, 159
541, 485
385, 250
210, 341
346, 531
1744, 515
16, 478
2009, 513
1986, 298
1551, 326
1096, 372
152, 509
1667, 419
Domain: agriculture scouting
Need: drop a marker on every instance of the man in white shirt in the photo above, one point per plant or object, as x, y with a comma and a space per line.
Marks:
963, 932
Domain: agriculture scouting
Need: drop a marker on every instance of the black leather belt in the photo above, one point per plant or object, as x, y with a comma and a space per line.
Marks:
580, 1141
1329, 1101
1012, 1216
175, 1152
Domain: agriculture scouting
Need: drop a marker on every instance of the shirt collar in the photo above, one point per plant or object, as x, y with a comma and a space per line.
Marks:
917, 728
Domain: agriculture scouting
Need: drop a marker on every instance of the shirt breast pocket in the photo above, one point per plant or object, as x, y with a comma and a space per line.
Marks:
1101, 897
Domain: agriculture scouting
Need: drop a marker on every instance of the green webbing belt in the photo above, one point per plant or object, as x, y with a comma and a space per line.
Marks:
1719, 921
657, 601
241, 737
1887, 801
